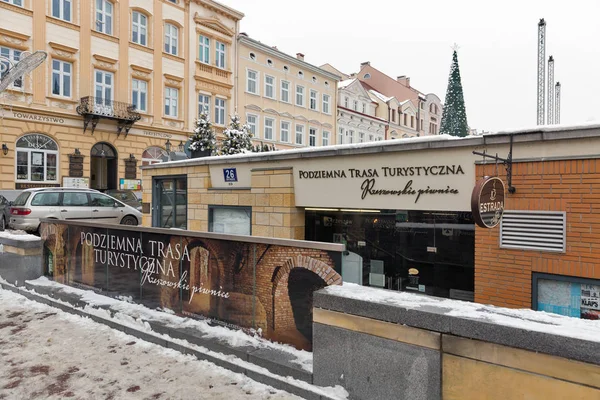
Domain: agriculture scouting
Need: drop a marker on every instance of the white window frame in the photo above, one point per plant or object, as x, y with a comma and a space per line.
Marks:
220, 111
286, 91
364, 108
371, 137
301, 94
63, 76
171, 39
38, 147
18, 3
104, 86
266, 129
325, 138
136, 94
299, 132
350, 136
286, 130
255, 80
313, 100
61, 9
204, 49
171, 95
140, 28
271, 86
346, 101
220, 54
361, 137
14, 56
341, 134
104, 14
355, 105
253, 126
204, 101
326, 102
312, 136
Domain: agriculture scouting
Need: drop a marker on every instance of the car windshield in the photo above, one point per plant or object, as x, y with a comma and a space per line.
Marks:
22, 199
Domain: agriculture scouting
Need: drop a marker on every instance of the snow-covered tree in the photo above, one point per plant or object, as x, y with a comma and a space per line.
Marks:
204, 139
454, 116
261, 148
237, 138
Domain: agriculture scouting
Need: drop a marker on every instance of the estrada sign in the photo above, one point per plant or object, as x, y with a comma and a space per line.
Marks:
487, 201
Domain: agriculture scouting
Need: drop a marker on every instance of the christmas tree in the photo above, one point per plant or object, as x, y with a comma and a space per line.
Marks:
237, 138
454, 117
261, 148
204, 139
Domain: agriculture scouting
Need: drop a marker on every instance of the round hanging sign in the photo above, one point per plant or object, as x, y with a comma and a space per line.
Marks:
487, 201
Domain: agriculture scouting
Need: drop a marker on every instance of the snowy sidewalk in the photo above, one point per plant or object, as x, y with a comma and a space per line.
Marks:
49, 354
277, 365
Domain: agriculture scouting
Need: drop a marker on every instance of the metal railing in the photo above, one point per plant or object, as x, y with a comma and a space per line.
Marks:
106, 108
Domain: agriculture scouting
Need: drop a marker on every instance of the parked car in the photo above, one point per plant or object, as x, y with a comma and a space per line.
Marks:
4, 212
69, 204
126, 196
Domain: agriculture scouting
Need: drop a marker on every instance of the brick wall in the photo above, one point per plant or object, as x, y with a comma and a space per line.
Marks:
503, 276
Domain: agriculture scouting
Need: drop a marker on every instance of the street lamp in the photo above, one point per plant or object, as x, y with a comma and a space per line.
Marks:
168, 146
181, 146
4, 149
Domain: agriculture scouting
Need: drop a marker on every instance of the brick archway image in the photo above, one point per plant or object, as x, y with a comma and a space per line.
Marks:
293, 286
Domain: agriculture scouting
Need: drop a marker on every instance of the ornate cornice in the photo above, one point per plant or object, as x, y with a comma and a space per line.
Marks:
219, 8
104, 59
172, 57
14, 8
141, 69
214, 24
63, 48
60, 22
141, 48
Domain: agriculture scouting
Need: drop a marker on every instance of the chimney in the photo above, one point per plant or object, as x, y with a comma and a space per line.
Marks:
364, 64
404, 80
274, 47
353, 75
300, 56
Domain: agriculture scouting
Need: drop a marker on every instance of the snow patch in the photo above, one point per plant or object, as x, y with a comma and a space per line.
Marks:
19, 235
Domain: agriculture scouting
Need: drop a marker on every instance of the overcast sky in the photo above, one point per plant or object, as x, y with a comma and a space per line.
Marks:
497, 47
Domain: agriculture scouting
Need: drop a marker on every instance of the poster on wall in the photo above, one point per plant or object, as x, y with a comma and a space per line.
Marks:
72, 182
590, 301
130, 184
264, 288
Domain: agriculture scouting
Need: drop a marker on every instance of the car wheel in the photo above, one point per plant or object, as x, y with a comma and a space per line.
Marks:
2, 224
129, 220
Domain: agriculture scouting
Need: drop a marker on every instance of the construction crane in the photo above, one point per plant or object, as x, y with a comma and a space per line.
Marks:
557, 109
541, 71
550, 90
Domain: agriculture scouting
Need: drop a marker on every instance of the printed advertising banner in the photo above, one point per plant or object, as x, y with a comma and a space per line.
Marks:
254, 286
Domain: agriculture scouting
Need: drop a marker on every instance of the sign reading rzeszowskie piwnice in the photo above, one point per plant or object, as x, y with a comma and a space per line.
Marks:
487, 201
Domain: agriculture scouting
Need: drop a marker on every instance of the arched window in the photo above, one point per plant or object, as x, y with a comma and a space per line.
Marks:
171, 39
153, 155
37, 159
366, 76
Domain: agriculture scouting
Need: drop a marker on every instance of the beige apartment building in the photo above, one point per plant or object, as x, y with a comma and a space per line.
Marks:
122, 83
285, 101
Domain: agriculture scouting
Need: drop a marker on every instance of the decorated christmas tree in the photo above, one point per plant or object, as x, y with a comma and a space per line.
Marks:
204, 140
237, 138
454, 117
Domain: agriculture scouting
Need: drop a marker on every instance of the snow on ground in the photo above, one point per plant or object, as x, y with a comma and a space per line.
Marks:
49, 354
18, 235
531, 320
131, 314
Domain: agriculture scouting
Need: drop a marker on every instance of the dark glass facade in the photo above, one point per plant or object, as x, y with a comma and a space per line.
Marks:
423, 251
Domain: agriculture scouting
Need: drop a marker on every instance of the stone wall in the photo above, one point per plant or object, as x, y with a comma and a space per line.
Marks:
20, 260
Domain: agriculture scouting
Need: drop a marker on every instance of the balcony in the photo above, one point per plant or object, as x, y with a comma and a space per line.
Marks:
208, 72
94, 108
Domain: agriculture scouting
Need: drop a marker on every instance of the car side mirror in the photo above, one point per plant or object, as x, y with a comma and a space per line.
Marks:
115, 204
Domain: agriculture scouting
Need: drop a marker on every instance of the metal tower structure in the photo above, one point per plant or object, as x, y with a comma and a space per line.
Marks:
541, 71
557, 108
550, 90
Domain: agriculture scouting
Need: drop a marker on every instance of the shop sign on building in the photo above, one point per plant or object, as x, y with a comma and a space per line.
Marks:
487, 201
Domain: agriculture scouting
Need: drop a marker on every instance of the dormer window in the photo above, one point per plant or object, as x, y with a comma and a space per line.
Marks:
286, 68
270, 63
252, 56
300, 74
366, 76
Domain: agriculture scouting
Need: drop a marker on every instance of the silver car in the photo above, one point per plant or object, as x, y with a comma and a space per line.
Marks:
69, 204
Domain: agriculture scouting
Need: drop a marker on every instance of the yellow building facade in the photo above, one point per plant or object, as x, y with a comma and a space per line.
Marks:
122, 82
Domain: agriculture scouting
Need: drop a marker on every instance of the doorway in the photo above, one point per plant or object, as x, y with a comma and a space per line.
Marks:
103, 167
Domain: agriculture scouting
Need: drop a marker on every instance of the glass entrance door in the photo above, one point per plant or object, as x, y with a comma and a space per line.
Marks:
169, 202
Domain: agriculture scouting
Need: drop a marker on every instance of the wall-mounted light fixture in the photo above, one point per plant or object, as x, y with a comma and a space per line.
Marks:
131, 156
168, 146
4, 149
181, 146
77, 152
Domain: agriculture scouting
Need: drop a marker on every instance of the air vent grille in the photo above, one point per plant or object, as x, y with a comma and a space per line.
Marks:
533, 230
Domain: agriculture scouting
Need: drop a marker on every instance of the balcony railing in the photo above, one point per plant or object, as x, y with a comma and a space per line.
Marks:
93, 108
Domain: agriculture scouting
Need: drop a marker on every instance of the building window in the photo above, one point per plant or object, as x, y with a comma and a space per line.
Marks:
300, 96
412, 121
300, 74
203, 104
325, 138
14, 56
366, 76
173, 1
15, 2
139, 28
370, 138
230, 220
171, 39
299, 134
104, 16
139, 94
269, 87
313, 100
346, 102
171, 101
393, 115
170, 202
204, 49
104, 87
355, 105
312, 137
270, 62
61, 78
421, 125
405, 120
350, 136
286, 68
252, 56
285, 91
220, 111
153, 155
341, 136
269, 127
37, 157
285, 131
325, 106
252, 81
314, 79
61, 9
220, 55
364, 108
252, 122
361, 137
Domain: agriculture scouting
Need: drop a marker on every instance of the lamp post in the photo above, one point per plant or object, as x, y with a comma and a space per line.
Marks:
168, 146
4, 149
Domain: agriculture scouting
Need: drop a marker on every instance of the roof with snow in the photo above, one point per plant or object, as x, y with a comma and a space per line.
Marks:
380, 96
345, 83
